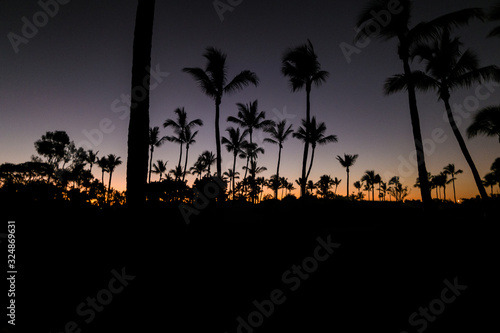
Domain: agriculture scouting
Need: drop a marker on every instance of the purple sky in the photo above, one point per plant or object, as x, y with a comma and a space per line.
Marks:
77, 67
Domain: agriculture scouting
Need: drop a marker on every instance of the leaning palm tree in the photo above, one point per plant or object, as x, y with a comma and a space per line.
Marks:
314, 134
347, 162
213, 81
398, 28
487, 122
138, 130
154, 142
113, 162
452, 171
180, 126
235, 144
494, 15
303, 69
279, 132
160, 168
447, 68
370, 178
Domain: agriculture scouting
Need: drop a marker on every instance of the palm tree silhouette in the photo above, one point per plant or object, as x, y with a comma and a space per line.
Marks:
303, 69
113, 162
336, 182
313, 134
103, 164
490, 180
357, 185
235, 144
487, 122
494, 15
250, 118
154, 142
398, 27
189, 139
213, 81
279, 132
180, 126
452, 171
447, 68
159, 168
232, 175
324, 184
370, 179
440, 181
208, 159
91, 158
347, 162
138, 131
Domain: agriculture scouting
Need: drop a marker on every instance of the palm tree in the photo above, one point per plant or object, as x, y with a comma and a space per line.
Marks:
213, 81
324, 184
235, 144
177, 172
347, 162
378, 180
250, 153
232, 175
189, 139
447, 68
383, 188
398, 27
208, 159
303, 69
357, 185
310, 186
314, 134
113, 162
490, 180
486, 121
198, 168
180, 126
336, 182
138, 131
91, 158
103, 164
440, 181
494, 15
394, 181
370, 179
159, 168
279, 133
154, 141
254, 170
250, 118
452, 171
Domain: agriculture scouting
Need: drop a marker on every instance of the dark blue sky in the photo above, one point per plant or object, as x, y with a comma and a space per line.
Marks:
72, 74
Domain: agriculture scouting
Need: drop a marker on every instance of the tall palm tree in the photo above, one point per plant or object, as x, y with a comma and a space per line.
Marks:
250, 118
91, 158
303, 69
494, 15
189, 139
180, 126
448, 68
487, 122
214, 83
452, 171
138, 130
113, 162
347, 162
370, 179
154, 142
314, 134
235, 144
398, 28
160, 167
279, 132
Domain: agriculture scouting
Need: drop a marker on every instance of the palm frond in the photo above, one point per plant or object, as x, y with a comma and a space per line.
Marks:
203, 80
242, 80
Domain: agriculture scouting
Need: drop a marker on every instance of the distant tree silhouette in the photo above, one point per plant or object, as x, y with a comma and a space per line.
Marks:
336, 182
370, 179
486, 121
398, 27
452, 171
314, 134
103, 164
490, 180
301, 66
347, 162
447, 68
138, 131
324, 185
208, 159
357, 185
91, 158
189, 139
112, 162
154, 142
160, 168
279, 132
235, 144
250, 118
213, 81
440, 180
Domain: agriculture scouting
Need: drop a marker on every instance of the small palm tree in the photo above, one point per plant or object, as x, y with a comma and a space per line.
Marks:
324, 184
189, 139
177, 172
357, 185
213, 81
303, 69
160, 167
103, 164
279, 132
113, 162
452, 171
154, 142
197, 169
487, 122
235, 144
250, 118
490, 180
314, 134
370, 179
91, 158
336, 182
347, 162
232, 175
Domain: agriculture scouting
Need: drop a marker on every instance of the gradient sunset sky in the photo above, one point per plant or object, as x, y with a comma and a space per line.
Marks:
73, 73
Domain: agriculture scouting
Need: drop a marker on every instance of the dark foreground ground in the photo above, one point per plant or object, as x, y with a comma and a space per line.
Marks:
83, 270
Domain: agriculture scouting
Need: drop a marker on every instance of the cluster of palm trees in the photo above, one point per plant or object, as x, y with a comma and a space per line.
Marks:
106, 164
441, 180
493, 177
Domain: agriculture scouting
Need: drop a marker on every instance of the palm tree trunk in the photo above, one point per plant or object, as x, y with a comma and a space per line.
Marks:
347, 170
180, 160
109, 185
185, 163
217, 137
306, 144
150, 162
234, 169
102, 177
278, 173
454, 194
464, 149
311, 164
138, 132
415, 123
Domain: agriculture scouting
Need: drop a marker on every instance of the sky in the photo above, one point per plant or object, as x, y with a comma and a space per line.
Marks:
73, 74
